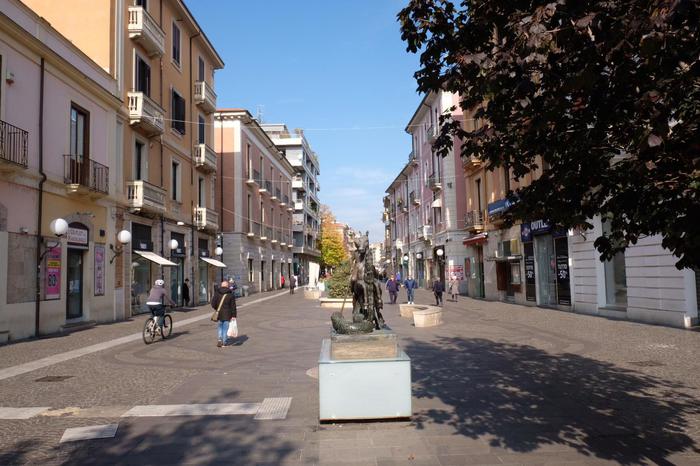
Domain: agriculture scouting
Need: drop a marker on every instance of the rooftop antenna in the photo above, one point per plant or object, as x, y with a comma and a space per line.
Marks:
259, 113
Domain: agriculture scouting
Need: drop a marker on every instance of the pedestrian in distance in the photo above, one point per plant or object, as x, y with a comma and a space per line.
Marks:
282, 281
453, 287
157, 299
438, 289
186, 292
410, 285
392, 286
225, 302
292, 283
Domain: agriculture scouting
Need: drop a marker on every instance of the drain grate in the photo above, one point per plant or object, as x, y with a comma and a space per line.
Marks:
647, 363
54, 378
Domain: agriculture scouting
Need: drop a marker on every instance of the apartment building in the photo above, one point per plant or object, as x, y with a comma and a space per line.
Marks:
305, 187
538, 263
58, 117
256, 204
164, 66
427, 202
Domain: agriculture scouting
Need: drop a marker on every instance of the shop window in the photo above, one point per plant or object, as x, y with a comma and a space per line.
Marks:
615, 276
515, 273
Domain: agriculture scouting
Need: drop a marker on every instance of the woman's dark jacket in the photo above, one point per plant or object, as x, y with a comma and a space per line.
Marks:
228, 310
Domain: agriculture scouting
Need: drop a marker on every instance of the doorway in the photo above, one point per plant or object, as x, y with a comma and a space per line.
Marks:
262, 276
546, 270
74, 301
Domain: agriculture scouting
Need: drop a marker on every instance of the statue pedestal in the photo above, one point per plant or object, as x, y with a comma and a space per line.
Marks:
363, 377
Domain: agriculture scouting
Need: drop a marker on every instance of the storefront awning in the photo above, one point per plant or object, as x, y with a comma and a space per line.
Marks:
153, 257
437, 203
476, 239
214, 262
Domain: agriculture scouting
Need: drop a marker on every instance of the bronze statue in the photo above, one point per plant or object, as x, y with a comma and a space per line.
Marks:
366, 293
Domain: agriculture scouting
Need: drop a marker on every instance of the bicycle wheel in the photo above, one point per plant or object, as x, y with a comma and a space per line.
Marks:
168, 328
149, 331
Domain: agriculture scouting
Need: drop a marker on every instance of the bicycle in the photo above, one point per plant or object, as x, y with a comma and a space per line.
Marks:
151, 328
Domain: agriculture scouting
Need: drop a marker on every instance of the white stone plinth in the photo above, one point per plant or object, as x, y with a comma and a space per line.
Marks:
355, 389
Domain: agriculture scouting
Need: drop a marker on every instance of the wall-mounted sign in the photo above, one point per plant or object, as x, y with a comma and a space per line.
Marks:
99, 269
456, 270
53, 273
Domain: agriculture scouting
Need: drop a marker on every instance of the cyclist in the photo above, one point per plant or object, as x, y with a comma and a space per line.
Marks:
155, 301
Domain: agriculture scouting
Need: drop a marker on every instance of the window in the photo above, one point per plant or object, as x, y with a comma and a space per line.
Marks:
176, 44
201, 69
175, 181
506, 180
200, 192
615, 276
478, 193
250, 270
202, 129
249, 162
142, 81
177, 110
139, 161
78, 132
515, 273
142, 3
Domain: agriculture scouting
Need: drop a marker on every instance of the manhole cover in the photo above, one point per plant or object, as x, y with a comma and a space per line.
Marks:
647, 363
54, 378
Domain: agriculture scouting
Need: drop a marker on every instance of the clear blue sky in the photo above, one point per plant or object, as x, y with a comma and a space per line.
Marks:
336, 68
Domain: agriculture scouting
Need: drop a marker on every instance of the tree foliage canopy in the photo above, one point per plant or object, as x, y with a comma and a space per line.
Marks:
606, 92
339, 283
332, 247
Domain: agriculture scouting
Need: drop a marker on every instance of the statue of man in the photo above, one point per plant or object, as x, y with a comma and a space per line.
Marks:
372, 298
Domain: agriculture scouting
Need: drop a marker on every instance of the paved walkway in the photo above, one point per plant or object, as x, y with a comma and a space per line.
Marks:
496, 384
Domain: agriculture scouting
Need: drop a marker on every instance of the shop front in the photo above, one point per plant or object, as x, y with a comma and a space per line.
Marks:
146, 266
508, 269
203, 272
474, 265
546, 264
177, 273
78, 237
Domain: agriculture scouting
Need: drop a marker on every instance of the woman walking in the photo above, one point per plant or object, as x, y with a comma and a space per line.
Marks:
454, 287
225, 302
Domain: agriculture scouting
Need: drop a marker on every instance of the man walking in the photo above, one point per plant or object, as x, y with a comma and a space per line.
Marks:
292, 283
438, 289
410, 285
186, 292
392, 286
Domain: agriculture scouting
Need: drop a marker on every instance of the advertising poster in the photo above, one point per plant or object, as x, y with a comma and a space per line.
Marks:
456, 270
530, 292
99, 270
563, 285
53, 273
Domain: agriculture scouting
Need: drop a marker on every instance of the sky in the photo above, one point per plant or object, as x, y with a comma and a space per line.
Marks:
335, 68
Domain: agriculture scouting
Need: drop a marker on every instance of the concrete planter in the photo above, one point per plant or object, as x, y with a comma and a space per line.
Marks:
336, 303
312, 293
427, 317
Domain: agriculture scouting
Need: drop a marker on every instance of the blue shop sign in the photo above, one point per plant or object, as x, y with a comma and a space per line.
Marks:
498, 207
525, 233
540, 227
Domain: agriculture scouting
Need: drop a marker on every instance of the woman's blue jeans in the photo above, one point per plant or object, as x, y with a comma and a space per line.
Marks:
223, 329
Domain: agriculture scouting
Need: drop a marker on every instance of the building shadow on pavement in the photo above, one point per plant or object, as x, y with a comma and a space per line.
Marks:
233, 439
522, 398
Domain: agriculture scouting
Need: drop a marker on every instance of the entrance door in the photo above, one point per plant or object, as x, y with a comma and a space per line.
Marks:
177, 277
546, 270
74, 302
479, 272
262, 276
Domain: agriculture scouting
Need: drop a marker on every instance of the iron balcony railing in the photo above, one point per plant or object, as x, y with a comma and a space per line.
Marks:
474, 219
253, 228
13, 144
79, 170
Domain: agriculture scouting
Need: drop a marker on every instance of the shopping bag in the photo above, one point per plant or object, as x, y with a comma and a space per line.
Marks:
232, 329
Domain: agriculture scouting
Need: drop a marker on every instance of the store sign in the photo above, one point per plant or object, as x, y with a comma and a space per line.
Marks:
53, 273
540, 227
525, 233
77, 235
561, 250
530, 290
99, 270
456, 270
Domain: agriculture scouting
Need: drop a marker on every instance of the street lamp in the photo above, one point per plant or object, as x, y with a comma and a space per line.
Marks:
123, 237
58, 227
173, 244
219, 251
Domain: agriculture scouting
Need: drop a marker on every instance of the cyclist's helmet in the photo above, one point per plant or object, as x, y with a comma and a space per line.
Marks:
160, 282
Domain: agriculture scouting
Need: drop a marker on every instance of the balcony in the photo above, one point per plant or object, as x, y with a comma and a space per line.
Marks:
471, 162
145, 113
266, 234
432, 133
298, 183
13, 148
275, 236
434, 182
284, 201
298, 205
277, 195
424, 232
265, 187
204, 158
255, 179
253, 229
143, 196
84, 176
204, 96
474, 220
206, 219
413, 199
144, 30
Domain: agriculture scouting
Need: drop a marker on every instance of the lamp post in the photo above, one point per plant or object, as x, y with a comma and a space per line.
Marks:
220, 252
441, 263
58, 227
123, 237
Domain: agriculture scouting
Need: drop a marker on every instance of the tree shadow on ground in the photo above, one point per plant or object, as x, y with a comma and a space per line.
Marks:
521, 398
225, 440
